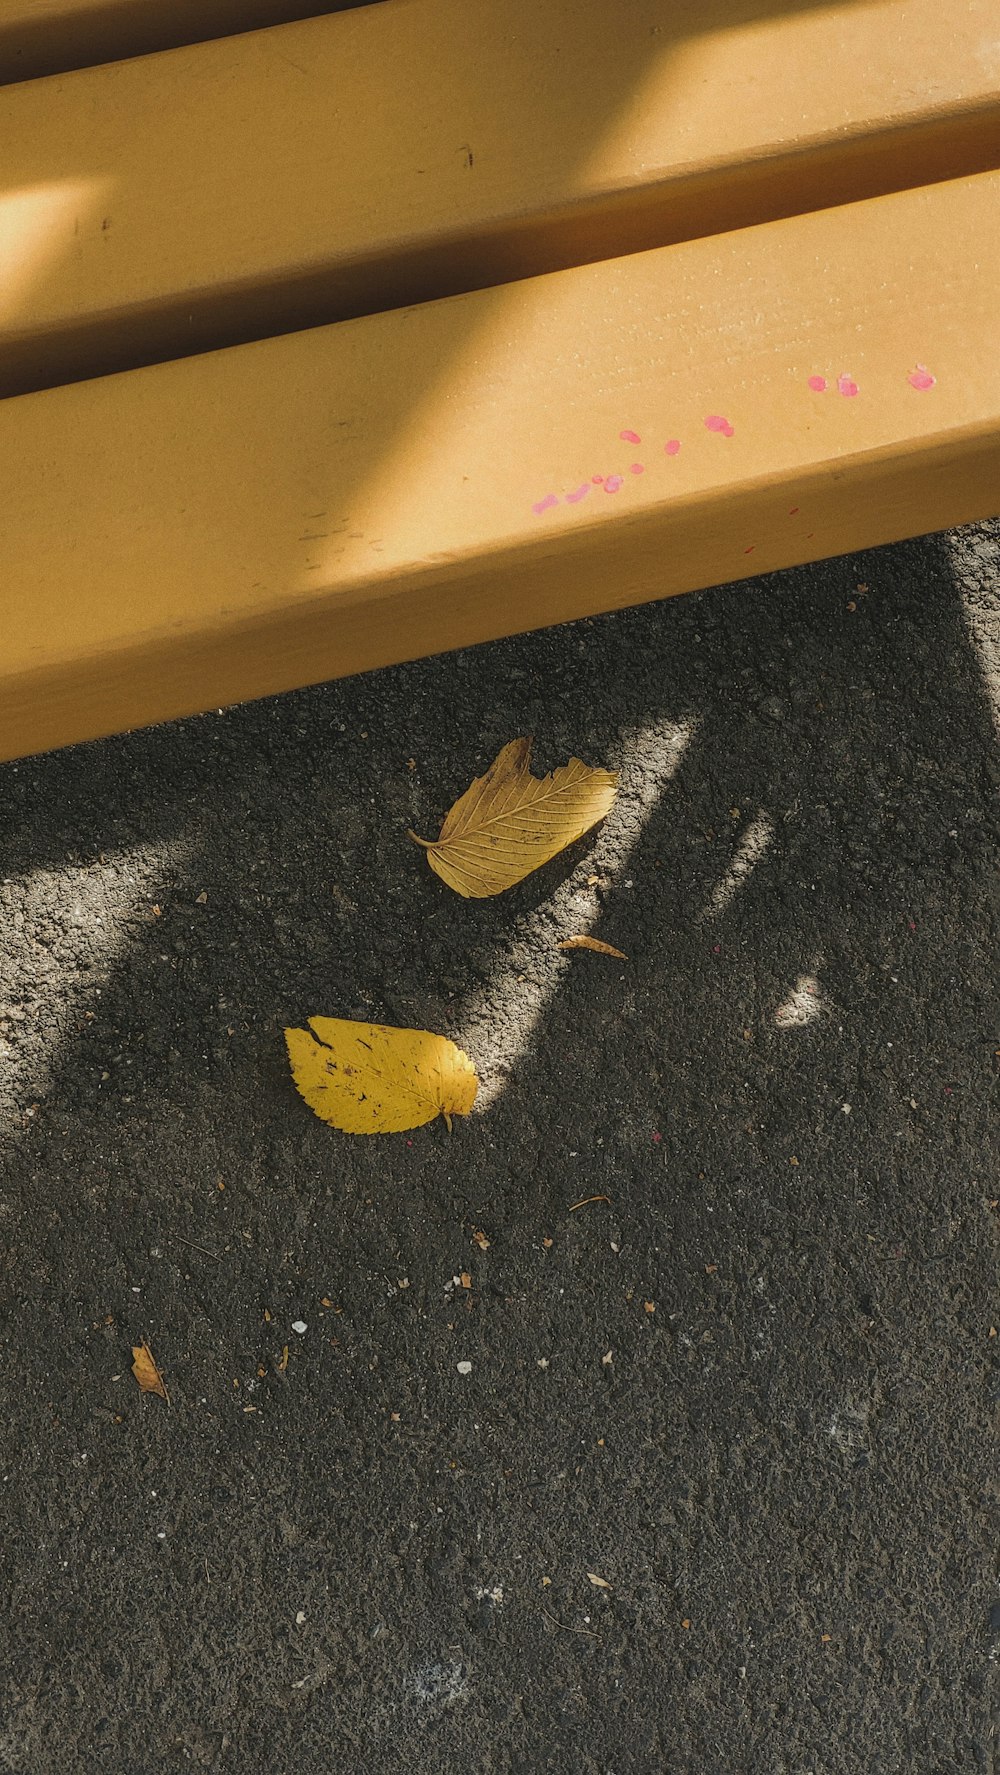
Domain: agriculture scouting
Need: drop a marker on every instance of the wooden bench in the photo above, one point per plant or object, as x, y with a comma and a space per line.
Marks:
729, 376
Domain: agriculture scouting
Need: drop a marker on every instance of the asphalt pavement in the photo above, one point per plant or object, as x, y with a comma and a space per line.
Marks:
642, 1424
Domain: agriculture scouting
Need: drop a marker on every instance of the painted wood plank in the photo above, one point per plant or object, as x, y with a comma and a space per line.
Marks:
216, 529
41, 37
416, 148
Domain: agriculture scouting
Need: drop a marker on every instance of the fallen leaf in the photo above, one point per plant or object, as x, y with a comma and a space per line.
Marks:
602, 1583
480, 1239
649, 1306
146, 1372
365, 1078
465, 1279
593, 943
509, 822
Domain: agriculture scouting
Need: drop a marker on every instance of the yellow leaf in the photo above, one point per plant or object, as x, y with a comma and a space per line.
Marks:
509, 822
368, 1079
602, 1583
146, 1372
592, 943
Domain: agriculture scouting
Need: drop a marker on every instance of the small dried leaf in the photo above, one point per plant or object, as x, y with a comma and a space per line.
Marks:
365, 1078
593, 943
283, 1359
509, 822
480, 1239
602, 1583
146, 1372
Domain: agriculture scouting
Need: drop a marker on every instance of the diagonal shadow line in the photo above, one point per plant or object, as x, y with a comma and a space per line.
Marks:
358, 929
426, 389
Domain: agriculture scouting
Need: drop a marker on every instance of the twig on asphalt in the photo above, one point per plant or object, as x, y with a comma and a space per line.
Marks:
179, 1239
587, 1630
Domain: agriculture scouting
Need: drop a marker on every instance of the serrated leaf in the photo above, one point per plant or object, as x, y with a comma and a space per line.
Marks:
367, 1078
146, 1372
593, 943
508, 822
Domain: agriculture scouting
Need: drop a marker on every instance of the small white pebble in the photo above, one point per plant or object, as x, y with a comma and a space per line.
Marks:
615, 1248
543, 1362
300, 1618
299, 1325
464, 1367
161, 1534
846, 1108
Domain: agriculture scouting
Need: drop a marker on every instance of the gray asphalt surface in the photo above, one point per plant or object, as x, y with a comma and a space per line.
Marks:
751, 1391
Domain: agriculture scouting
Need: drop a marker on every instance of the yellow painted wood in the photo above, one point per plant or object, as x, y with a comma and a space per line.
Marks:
39, 37
351, 163
218, 528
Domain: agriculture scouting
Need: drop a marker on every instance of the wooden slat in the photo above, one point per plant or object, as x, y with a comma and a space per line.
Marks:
407, 150
222, 527
39, 37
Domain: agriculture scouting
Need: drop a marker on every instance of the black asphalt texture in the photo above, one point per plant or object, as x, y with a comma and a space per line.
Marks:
747, 1385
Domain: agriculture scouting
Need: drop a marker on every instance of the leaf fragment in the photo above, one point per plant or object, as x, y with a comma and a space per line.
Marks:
593, 943
509, 822
601, 1583
146, 1372
368, 1078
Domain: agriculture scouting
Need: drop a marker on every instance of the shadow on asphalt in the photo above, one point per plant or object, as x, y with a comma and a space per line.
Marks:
782, 1471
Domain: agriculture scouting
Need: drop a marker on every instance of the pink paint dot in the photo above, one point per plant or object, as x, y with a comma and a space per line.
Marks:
847, 385
750, 550
716, 948
656, 1139
672, 446
613, 483
580, 493
792, 510
921, 377
638, 468
716, 422
818, 384
598, 480
630, 437
542, 505
911, 924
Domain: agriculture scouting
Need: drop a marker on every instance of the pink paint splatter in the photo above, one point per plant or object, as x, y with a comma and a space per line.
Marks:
792, 510
630, 437
715, 422
598, 480
818, 384
638, 468
581, 492
672, 446
847, 385
750, 550
613, 483
921, 377
656, 1139
542, 505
